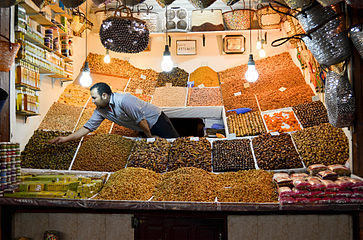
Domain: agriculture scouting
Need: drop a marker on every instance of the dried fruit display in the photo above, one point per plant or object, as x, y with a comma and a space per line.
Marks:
130, 184
74, 95
186, 184
143, 97
322, 144
247, 124
103, 152
116, 83
188, 153
204, 97
204, 76
141, 85
177, 77
39, 153
170, 96
150, 155
105, 126
61, 117
123, 131
253, 186
275, 152
281, 121
311, 114
241, 101
231, 155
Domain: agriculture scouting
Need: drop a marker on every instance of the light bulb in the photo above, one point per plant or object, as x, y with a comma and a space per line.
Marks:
262, 53
107, 58
259, 45
86, 79
251, 75
167, 63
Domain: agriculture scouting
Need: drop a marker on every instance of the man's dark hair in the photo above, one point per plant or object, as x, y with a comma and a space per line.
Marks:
102, 88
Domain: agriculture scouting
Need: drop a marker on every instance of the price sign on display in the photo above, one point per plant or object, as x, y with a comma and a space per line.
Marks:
138, 91
142, 76
231, 136
194, 139
201, 85
150, 140
282, 89
274, 133
237, 94
246, 85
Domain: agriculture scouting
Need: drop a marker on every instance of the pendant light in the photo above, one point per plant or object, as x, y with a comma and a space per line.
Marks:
107, 58
259, 41
262, 52
86, 79
166, 63
251, 75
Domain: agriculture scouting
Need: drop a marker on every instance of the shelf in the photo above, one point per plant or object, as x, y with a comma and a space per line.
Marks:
58, 10
27, 86
29, 6
226, 32
42, 70
27, 113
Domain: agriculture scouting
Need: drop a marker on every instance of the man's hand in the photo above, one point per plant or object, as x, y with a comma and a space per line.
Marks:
58, 140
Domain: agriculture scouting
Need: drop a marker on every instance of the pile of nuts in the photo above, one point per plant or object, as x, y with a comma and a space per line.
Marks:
282, 121
130, 184
247, 124
123, 131
39, 153
61, 117
86, 115
116, 83
188, 153
74, 95
150, 155
146, 85
275, 152
177, 77
322, 144
246, 186
231, 155
206, 76
186, 184
143, 97
170, 96
103, 152
204, 97
311, 114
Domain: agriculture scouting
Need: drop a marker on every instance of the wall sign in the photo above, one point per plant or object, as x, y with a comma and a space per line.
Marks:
233, 44
186, 47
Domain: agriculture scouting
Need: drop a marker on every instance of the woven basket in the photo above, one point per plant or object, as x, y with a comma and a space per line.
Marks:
163, 3
201, 3
146, 14
133, 2
325, 3
7, 3
230, 2
294, 4
8, 52
356, 34
355, 3
292, 27
72, 3
238, 19
124, 34
339, 99
268, 18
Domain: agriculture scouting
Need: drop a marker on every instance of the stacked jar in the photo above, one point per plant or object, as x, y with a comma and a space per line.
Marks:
48, 39
10, 165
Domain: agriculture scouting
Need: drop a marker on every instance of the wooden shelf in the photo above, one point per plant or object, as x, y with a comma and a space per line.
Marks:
27, 113
27, 86
226, 32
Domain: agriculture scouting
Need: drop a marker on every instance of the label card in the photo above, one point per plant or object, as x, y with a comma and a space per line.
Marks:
150, 140
201, 85
142, 76
282, 89
315, 98
246, 85
194, 138
168, 84
138, 91
237, 94
274, 133
231, 136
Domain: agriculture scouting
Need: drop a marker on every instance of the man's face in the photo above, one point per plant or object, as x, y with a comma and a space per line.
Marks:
98, 100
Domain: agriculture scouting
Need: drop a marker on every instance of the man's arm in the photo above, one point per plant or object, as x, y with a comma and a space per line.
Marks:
145, 128
76, 135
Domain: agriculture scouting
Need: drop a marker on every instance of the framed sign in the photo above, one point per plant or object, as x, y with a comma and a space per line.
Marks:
234, 44
186, 47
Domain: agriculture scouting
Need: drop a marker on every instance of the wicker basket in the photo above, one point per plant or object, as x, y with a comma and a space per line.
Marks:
146, 14
201, 3
294, 4
7, 3
230, 2
355, 3
8, 52
163, 3
292, 27
72, 3
239, 19
339, 99
325, 3
124, 34
268, 18
356, 34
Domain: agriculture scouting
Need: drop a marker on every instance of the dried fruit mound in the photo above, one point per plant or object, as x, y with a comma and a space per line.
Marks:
39, 153
123, 131
170, 96
150, 155
246, 186
311, 114
130, 184
206, 76
283, 121
177, 77
86, 115
323, 144
147, 85
247, 124
74, 95
186, 184
204, 97
103, 152
61, 117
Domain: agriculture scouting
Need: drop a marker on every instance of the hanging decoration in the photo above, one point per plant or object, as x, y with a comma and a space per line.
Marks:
201, 3
164, 3
356, 34
124, 34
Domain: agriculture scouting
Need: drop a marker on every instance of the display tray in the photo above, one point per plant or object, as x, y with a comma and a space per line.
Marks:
285, 112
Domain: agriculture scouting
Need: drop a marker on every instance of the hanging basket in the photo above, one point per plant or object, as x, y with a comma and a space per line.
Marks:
133, 2
326, 3
268, 18
7, 3
72, 3
339, 99
201, 3
8, 52
146, 14
239, 19
230, 2
164, 3
124, 34
356, 34
292, 27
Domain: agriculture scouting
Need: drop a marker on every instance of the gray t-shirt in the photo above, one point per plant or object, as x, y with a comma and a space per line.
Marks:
125, 110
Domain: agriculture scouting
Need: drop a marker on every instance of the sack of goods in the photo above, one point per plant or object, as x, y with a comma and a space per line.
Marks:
124, 34
207, 20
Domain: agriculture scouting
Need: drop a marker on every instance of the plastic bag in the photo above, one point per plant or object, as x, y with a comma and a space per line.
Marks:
340, 169
328, 175
315, 184
315, 168
330, 186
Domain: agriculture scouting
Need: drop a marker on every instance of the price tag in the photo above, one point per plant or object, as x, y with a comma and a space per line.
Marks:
150, 140
190, 84
168, 85
194, 138
138, 91
282, 89
142, 76
237, 94
201, 85
231, 136
246, 85
274, 133
315, 98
